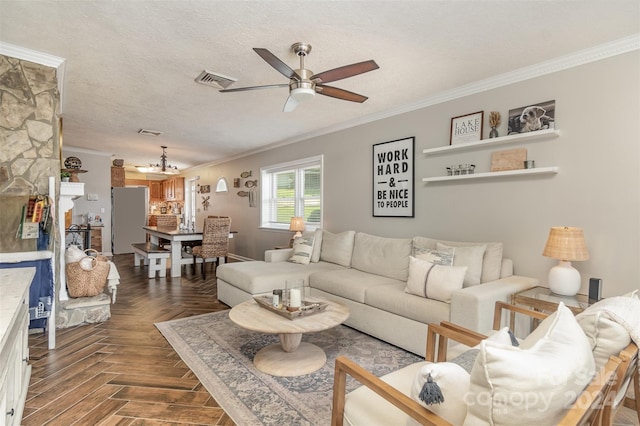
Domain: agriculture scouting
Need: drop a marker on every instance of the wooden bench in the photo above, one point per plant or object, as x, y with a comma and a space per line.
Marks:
153, 256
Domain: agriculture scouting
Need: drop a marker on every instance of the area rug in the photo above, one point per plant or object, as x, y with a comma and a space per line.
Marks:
221, 353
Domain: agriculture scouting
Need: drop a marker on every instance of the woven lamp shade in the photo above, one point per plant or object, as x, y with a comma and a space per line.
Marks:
566, 243
297, 224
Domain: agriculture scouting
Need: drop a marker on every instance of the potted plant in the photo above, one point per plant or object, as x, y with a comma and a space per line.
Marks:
64, 176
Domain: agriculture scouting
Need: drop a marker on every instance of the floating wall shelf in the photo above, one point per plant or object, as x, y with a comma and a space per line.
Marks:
520, 137
521, 172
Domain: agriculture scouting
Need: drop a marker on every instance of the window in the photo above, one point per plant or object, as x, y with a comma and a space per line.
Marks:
292, 189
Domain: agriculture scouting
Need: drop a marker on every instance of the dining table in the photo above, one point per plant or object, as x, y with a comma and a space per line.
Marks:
176, 237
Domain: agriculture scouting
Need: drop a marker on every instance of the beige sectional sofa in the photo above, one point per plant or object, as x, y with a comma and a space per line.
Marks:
369, 274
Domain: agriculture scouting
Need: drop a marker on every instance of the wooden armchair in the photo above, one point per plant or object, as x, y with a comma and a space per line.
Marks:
591, 406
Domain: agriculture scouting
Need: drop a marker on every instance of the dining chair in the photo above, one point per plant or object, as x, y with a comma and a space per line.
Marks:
215, 242
166, 222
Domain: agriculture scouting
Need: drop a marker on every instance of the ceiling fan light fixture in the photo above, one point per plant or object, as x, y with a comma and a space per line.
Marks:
301, 94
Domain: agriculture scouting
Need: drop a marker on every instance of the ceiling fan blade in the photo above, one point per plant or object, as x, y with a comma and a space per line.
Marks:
345, 72
345, 95
242, 89
276, 63
290, 105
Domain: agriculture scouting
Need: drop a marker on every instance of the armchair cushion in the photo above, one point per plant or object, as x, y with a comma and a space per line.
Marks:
535, 382
433, 281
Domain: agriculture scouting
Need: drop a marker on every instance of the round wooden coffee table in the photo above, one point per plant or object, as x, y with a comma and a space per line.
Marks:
291, 357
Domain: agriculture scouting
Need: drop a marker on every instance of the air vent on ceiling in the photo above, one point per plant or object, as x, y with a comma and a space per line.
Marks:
216, 80
149, 132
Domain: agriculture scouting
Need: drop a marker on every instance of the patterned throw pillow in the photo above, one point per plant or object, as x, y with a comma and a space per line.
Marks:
442, 257
302, 250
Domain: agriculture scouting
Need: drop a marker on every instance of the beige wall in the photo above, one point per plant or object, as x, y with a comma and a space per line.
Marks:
597, 187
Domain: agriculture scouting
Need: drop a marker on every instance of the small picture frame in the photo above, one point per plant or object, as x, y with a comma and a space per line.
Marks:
205, 189
532, 118
467, 128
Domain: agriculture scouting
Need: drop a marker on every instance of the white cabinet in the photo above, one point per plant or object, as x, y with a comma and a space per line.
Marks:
15, 370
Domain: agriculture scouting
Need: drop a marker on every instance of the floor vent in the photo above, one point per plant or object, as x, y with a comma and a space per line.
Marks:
218, 81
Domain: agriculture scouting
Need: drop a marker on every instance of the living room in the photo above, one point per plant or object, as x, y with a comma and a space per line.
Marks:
596, 185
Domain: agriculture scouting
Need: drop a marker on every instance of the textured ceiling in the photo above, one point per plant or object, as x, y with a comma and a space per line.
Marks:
132, 64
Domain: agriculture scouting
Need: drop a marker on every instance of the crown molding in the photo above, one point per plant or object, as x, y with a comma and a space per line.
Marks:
41, 58
87, 151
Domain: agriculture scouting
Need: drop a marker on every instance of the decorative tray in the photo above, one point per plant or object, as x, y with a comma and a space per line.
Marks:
309, 307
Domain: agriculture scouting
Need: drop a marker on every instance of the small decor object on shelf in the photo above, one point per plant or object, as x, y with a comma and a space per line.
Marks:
64, 176
72, 163
467, 128
509, 159
494, 122
532, 118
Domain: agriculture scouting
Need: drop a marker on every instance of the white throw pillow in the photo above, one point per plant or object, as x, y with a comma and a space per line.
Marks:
453, 381
302, 250
471, 257
337, 248
433, 281
534, 384
439, 257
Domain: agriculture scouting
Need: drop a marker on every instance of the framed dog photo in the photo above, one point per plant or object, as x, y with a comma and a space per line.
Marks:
531, 118
467, 128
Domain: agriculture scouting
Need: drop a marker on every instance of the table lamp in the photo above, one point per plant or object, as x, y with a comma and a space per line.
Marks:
565, 244
297, 225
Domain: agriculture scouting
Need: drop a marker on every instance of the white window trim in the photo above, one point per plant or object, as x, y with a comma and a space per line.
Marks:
265, 188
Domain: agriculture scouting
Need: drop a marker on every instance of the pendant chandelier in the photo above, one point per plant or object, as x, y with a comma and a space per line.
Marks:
161, 168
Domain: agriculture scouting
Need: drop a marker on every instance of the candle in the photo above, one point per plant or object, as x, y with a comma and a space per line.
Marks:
295, 300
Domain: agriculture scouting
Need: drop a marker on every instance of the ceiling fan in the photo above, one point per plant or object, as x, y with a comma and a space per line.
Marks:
304, 84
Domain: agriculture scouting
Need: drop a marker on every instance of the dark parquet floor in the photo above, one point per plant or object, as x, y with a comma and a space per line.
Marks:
123, 371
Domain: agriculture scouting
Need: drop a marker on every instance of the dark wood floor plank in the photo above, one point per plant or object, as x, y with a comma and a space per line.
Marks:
67, 398
84, 408
167, 396
157, 381
173, 413
147, 369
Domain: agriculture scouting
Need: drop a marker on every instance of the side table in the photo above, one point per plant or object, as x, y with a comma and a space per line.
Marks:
543, 299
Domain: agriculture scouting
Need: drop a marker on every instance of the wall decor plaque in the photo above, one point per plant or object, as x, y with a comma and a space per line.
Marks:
393, 178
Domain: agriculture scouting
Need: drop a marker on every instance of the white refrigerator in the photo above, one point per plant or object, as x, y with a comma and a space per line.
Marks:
128, 216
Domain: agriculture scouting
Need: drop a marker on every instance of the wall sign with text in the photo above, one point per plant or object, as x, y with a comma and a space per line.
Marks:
393, 178
467, 128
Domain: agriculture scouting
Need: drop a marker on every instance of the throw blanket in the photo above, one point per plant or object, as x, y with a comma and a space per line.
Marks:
622, 310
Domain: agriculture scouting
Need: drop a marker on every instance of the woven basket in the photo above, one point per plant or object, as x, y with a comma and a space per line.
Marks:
87, 281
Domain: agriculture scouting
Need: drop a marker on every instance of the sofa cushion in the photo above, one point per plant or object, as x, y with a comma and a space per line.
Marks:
302, 250
259, 277
427, 279
393, 299
471, 257
533, 383
492, 260
337, 248
351, 284
388, 257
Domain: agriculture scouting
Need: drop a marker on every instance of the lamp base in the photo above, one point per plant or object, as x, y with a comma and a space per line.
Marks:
564, 279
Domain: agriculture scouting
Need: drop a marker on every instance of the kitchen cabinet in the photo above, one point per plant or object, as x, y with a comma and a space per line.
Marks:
96, 238
117, 177
155, 190
15, 370
173, 189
